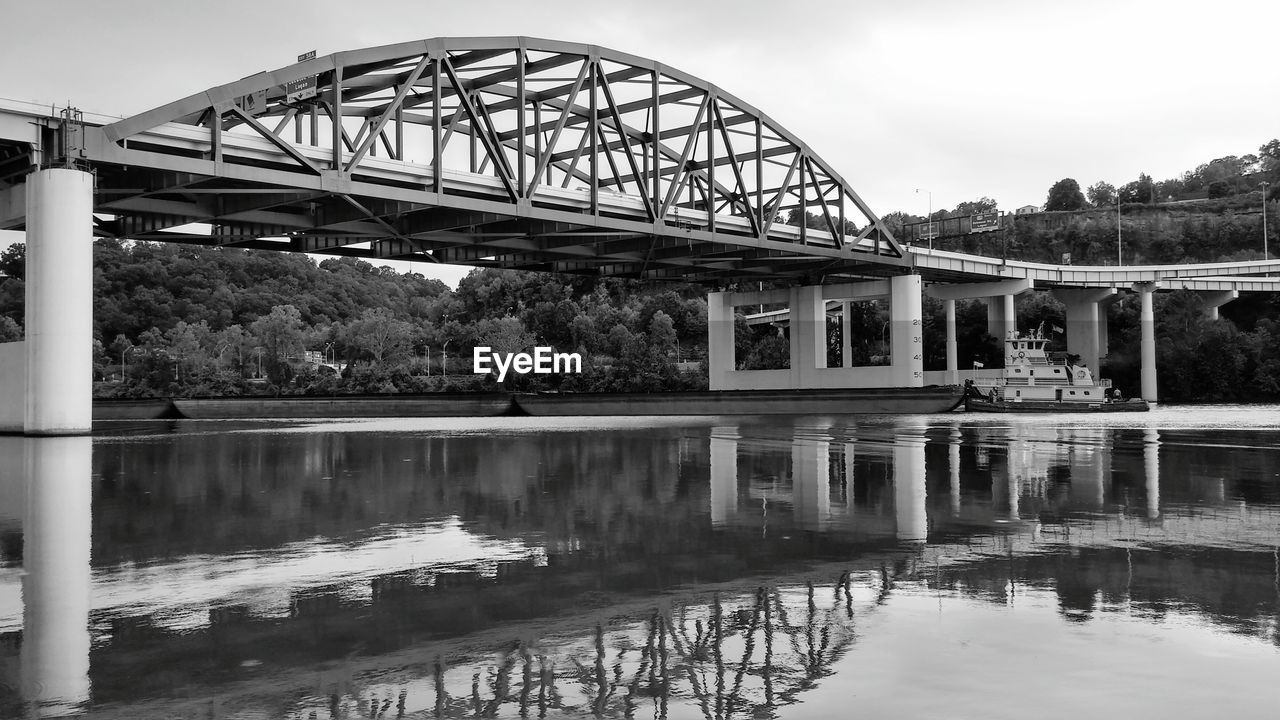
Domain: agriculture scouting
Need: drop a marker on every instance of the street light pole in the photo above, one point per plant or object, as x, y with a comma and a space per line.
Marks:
929, 217
1265, 256
124, 364
1119, 241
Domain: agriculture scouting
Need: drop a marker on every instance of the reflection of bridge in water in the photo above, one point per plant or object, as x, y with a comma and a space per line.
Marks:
1089, 514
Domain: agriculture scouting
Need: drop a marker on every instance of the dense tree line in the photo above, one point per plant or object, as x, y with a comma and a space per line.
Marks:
181, 320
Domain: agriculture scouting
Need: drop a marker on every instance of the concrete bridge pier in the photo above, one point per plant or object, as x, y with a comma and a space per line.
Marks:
1086, 322
807, 320
846, 334
59, 303
721, 358
808, 330
1214, 300
1002, 317
953, 361
999, 297
1147, 323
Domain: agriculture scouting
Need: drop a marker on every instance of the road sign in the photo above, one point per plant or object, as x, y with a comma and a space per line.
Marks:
305, 88
984, 221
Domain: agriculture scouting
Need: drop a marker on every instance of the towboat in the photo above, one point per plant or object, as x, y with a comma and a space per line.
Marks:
1032, 381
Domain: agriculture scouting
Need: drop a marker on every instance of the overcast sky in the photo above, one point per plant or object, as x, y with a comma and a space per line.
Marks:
996, 98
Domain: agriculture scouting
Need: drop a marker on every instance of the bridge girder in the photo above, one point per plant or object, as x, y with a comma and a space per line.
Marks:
504, 151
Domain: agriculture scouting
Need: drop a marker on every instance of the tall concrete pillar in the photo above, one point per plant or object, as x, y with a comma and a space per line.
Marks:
720, 354
953, 362
1214, 300
1104, 342
906, 343
1002, 318
56, 577
909, 492
846, 334
808, 333
1147, 322
1086, 322
59, 303
724, 474
995, 317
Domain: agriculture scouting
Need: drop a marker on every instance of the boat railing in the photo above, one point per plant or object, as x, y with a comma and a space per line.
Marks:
986, 382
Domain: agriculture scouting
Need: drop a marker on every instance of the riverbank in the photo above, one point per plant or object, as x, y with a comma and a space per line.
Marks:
744, 402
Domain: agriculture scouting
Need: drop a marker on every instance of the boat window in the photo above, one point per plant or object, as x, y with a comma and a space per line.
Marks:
1073, 392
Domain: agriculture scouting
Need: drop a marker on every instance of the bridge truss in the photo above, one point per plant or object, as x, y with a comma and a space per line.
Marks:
507, 152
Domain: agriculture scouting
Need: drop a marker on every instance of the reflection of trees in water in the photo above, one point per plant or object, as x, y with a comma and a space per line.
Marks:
216, 493
740, 656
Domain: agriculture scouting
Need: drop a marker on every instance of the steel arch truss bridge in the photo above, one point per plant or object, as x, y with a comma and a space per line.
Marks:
506, 152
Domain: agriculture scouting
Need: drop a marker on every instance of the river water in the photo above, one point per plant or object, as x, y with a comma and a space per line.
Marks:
877, 566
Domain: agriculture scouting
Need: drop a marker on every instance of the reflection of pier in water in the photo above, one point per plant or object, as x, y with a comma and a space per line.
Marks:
1079, 511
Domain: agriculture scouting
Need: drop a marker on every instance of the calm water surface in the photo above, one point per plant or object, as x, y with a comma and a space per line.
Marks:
910, 567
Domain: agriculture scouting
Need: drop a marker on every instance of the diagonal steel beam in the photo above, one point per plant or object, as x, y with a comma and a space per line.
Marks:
493, 149
683, 164
389, 113
283, 146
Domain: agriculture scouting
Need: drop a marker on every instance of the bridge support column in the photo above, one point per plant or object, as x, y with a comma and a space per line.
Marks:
1002, 318
1104, 344
1215, 300
906, 340
720, 339
953, 362
846, 334
808, 333
1147, 322
1086, 322
59, 303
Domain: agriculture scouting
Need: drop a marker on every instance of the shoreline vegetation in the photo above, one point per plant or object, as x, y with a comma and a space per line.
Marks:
181, 321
